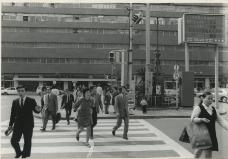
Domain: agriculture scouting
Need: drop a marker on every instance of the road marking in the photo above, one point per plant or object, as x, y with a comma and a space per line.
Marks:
60, 140
64, 149
177, 147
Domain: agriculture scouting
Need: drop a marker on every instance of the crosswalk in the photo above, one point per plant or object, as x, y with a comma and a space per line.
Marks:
145, 141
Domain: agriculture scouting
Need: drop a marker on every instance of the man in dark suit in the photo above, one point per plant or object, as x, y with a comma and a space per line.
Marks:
22, 120
51, 103
67, 101
121, 104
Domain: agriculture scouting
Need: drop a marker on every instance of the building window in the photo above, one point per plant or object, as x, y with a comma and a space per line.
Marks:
25, 18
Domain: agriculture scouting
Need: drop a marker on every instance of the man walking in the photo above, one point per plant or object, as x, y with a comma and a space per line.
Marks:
43, 107
67, 101
51, 102
121, 104
22, 120
96, 105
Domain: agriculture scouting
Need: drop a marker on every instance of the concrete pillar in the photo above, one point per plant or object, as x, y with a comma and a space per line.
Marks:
40, 82
65, 85
15, 82
90, 83
207, 83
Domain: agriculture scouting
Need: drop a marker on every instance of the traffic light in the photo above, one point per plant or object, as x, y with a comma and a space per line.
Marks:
111, 56
136, 18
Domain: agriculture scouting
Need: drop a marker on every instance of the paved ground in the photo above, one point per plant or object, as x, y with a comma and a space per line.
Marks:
145, 141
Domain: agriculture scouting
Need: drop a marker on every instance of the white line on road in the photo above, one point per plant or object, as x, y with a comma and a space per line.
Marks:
70, 140
65, 149
177, 147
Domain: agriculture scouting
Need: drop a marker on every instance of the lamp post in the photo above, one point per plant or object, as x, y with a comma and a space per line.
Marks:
156, 61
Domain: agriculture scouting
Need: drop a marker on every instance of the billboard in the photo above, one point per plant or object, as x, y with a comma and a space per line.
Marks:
201, 28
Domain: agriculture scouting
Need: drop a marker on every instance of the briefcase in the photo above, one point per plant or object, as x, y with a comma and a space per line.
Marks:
58, 117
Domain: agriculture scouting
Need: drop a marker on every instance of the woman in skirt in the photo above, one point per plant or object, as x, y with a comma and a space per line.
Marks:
84, 115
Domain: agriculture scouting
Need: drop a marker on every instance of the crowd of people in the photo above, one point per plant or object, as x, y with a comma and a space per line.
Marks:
87, 103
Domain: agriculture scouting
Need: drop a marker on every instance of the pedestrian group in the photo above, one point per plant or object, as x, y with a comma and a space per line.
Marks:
86, 102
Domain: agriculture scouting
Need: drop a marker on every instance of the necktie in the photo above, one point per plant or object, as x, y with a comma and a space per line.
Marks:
21, 102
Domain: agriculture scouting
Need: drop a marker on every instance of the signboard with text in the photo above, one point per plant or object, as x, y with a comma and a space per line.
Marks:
201, 28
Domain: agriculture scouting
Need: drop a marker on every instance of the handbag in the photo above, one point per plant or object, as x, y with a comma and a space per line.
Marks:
8, 131
184, 136
199, 136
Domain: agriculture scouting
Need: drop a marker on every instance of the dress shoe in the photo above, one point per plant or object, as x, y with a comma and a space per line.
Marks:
125, 137
18, 155
113, 133
53, 127
24, 157
77, 138
43, 129
68, 123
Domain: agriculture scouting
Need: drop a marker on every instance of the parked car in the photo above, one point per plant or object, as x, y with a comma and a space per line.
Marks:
2, 90
9, 91
222, 94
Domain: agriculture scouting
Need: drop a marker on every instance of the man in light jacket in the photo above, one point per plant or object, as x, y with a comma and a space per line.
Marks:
121, 104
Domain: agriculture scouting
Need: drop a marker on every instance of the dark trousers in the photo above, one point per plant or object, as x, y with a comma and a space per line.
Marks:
53, 116
119, 122
144, 110
106, 108
94, 118
16, 137
68, 113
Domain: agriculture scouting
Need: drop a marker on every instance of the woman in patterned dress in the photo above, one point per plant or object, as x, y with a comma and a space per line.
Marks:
84, 115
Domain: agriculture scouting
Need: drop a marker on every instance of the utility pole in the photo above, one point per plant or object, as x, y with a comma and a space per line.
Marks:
130, 51
147, 67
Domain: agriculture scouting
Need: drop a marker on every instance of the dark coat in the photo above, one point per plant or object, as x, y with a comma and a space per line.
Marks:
121, 104
23, 116
65, 103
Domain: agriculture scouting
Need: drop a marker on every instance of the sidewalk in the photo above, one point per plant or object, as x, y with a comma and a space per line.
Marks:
137, 114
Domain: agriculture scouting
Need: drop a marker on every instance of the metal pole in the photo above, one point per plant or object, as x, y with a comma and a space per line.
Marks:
147, 67
177, 100
216, 75
130, 51
122, 69
186, 58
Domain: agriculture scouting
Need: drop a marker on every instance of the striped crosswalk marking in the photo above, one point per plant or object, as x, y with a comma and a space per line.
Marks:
144, 141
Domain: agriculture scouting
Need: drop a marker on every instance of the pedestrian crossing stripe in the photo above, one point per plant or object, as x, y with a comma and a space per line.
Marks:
103, 136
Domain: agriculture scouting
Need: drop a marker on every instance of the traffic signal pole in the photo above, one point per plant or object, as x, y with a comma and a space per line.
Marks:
130, 51
147, 69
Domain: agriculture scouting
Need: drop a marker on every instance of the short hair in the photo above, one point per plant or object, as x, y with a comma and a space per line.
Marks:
92, 87
121, 88
85, 90
206, 94
44, 88
20, 87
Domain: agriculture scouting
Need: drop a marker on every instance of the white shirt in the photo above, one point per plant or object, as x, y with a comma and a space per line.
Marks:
23, 100
221, 121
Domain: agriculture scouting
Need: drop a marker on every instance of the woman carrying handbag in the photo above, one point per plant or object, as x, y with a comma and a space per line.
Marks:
207, 114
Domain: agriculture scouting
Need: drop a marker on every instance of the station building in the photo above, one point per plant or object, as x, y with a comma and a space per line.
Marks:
67, 43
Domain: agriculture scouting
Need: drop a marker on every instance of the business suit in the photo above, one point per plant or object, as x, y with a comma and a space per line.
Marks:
67, 101
22, 119
97, 105
121, 104
51, 104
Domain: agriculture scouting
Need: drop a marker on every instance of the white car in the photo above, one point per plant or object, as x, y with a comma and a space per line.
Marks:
222, 94
10, 90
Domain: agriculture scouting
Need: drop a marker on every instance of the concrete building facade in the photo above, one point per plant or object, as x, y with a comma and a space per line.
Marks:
66, 43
